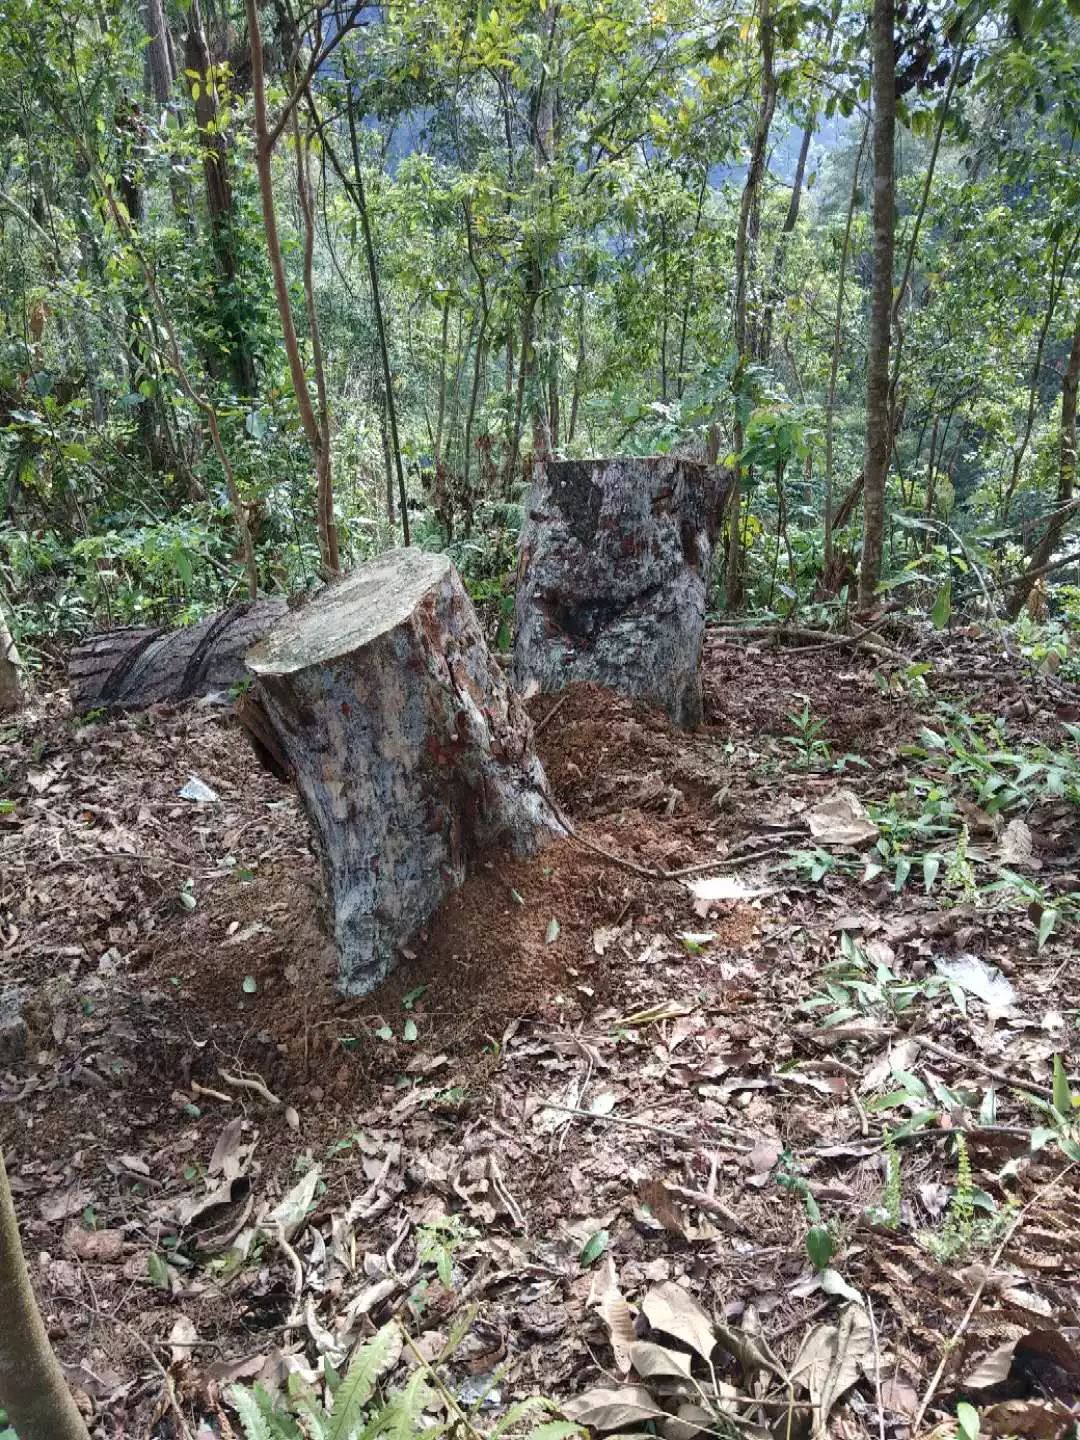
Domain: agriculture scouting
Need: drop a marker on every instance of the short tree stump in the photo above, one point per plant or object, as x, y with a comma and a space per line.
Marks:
612, 576
412, 755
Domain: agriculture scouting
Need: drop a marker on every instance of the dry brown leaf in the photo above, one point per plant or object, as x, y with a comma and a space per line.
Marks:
650, 1359
1027, 1420
830, 1359
840, 819
669, 1308
613, 1408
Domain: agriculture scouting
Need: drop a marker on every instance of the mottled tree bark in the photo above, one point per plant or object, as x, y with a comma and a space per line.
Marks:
1055, 528
32, 1386
412, 755
143, 665
12, 693
612, 576
878, 427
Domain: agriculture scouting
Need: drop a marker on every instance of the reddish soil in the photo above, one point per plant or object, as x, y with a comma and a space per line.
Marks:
136, 1002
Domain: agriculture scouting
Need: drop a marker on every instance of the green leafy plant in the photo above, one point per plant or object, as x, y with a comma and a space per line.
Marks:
438, 1240
889, 1211
357, 1407
807, 742
964, 1233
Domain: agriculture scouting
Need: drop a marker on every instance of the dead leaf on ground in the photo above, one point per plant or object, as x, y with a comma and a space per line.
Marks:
669, 1308
830, 1359
613, 1408
1026, 1420
840, 819
97, 1247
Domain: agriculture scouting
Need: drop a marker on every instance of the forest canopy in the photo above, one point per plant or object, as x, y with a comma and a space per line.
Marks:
282, 286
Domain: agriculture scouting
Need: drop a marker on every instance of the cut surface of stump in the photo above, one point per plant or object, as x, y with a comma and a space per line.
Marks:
141, 665
412, 755
613, 568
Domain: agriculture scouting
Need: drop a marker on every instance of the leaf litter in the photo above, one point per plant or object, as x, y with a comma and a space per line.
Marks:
407, 1155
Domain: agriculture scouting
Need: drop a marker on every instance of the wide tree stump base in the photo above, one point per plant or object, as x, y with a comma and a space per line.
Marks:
612, 576
411, 753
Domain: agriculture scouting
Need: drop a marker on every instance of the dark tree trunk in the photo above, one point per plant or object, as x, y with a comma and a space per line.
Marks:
1055, 528
612, 575
141, 665
412, 755
219, 199
878, 427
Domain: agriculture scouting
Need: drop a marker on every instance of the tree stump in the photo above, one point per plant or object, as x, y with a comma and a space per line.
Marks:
412, 755
141, 665
613, 568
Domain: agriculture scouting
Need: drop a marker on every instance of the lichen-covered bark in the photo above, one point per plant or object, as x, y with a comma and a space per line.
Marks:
412, 755
612, 576
12, 693
141, 665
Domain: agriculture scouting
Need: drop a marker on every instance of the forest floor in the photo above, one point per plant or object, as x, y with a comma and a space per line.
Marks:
590, 1081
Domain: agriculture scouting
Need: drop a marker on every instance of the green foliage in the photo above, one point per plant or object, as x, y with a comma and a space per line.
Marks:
438, 1239
807, 742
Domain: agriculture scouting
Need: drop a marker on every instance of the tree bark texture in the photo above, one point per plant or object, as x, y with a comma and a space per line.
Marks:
32, 1386
1055, 529
878, 427
613, 569
12, 692
412, 755
143, 665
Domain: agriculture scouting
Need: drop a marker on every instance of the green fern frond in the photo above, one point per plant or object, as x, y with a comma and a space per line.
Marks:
369, 1362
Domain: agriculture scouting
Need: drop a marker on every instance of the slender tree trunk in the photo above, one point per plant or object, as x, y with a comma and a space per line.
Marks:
478, 364
780, 254
159, 58
909, 258
878, 428
1057, 285
359, 195
579, 369
1055, 529
744, 264
323, 483
219, 200
263, 155
688, 301
543, 163
442, 378
33, 1390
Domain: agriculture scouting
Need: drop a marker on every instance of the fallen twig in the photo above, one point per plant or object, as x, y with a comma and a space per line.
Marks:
547, 719
1001, 1076
695, 1140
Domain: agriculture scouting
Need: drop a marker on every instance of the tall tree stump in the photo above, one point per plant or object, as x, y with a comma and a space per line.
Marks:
412, 755
612, 574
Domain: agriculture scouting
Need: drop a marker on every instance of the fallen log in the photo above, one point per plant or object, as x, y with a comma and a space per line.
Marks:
412, 755
613, 570
141, 665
